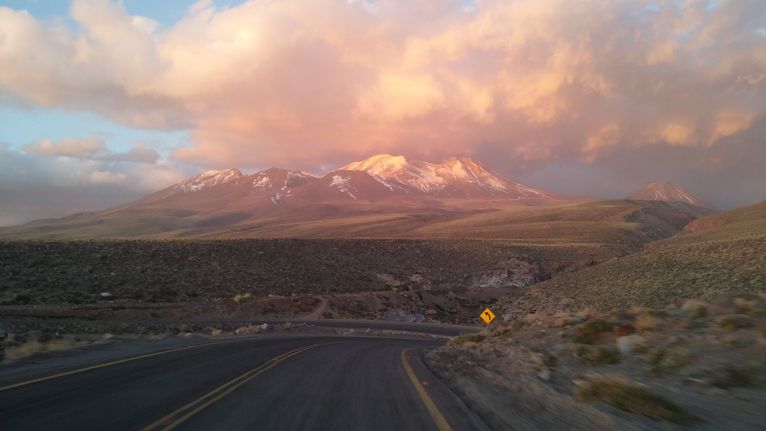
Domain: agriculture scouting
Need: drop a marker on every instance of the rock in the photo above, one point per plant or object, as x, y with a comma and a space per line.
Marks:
544, 375
106, 295
629, 343
694, 308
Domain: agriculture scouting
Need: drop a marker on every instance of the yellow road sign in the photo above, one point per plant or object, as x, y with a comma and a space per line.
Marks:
487, 316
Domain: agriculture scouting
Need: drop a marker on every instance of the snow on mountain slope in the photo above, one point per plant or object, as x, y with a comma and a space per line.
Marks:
456, 177
278, 184
385, 179
208, 179
667, 192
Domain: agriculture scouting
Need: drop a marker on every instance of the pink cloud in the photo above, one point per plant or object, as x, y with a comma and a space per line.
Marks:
307, 83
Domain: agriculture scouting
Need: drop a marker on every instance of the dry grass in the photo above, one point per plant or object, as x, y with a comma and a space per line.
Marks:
618, 392
590, 331
596, 355
44, 344
728, 259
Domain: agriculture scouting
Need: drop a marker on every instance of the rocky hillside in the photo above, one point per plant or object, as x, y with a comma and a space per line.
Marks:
691, 365
725, 253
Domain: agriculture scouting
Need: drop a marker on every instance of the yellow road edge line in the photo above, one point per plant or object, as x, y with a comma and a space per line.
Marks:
219, 392
105, 364
436, 415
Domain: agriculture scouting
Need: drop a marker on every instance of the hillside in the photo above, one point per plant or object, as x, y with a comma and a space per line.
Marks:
723, 253
622, 225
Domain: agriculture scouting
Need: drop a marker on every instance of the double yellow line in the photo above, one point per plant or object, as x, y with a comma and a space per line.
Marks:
437, 416
105, 364
177, 417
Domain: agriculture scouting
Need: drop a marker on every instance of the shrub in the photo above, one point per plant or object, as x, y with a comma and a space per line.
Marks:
617, 391
648, 322
751, 306
245, 297
728, 376
597, 354
732, 322
469, 338
589, 332
694, 308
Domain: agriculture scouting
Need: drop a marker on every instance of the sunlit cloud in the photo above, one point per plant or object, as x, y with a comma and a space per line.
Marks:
309, 83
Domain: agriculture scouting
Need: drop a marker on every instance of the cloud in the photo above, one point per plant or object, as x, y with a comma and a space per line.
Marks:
34, 187
91, 148
529, 84
87, 147
139, 153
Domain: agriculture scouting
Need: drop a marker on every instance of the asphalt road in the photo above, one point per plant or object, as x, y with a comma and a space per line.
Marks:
275, 383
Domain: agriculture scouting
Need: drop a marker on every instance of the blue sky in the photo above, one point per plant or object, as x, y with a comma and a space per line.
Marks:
164, 11
33, 125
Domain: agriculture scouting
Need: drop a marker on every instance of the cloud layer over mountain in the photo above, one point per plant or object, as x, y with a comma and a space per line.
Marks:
602, 88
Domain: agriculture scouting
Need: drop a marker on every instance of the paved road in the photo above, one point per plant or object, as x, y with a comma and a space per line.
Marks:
277, 383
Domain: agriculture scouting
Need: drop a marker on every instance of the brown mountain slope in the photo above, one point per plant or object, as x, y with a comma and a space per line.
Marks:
623, 226
667, 192
727, 256
363, 198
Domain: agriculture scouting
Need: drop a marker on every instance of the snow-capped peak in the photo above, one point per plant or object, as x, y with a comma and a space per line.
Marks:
459, 176
381, 164
208, 179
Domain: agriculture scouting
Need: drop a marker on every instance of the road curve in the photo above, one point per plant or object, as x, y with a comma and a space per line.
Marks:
272, 383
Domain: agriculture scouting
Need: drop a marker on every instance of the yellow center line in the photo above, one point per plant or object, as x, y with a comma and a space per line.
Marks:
107, 364
436, 415
177, 417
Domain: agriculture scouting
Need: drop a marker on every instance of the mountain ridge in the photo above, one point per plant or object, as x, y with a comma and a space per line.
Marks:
380, 196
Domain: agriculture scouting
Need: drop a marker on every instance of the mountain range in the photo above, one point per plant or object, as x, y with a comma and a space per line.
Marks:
390, 193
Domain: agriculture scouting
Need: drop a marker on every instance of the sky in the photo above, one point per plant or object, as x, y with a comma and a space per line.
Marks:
103, 101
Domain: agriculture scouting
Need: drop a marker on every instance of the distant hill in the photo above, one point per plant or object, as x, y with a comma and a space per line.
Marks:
667, 192
723, 253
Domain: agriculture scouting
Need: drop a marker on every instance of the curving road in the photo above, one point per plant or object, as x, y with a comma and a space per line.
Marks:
269, 383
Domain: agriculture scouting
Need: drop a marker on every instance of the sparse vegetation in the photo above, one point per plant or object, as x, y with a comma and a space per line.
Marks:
589, 332
600, 354
69, 272
244, 297
469, 338
618, 392
733, 322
